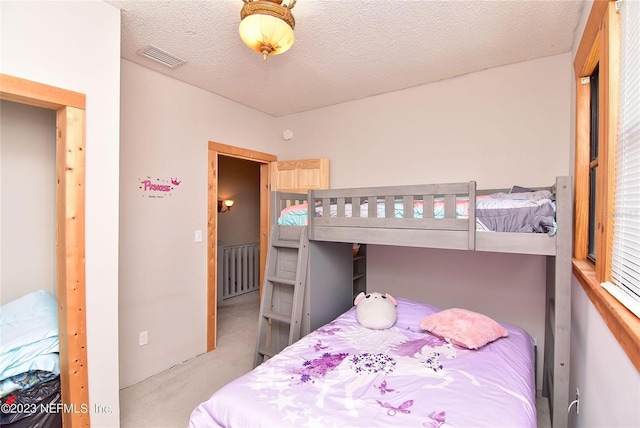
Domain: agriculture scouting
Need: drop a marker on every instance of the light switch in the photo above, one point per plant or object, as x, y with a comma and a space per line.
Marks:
198, 236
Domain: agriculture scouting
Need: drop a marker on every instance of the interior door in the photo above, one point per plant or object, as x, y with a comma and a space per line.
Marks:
300, 176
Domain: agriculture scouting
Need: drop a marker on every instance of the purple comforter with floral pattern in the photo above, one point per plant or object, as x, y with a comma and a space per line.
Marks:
346, 375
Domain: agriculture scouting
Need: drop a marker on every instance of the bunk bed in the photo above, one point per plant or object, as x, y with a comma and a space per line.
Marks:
402, 216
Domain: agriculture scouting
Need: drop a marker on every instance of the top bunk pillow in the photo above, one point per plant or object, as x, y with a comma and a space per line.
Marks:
464, 328
520, 189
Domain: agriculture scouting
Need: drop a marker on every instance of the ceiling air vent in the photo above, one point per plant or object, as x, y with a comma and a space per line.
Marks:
161, 56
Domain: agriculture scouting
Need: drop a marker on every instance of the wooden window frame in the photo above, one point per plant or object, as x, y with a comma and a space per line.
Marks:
600, 44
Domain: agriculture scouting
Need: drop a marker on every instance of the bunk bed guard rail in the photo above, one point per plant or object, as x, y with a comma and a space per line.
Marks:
404, 212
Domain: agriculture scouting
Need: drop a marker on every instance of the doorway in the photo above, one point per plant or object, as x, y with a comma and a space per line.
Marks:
264, 160
70, 226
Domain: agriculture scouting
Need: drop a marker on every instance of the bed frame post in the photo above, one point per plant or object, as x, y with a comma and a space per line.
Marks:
472, 215
558, 312
275, 208
311, 213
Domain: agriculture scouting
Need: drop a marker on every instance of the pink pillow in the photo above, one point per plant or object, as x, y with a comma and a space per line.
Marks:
463, 328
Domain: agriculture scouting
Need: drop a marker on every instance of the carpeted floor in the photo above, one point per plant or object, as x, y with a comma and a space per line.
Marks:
167, 399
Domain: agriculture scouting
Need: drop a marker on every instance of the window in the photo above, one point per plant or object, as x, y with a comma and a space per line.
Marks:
601, 253
624, 283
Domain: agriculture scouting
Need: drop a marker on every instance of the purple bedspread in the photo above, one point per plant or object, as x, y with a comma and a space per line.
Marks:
346, 375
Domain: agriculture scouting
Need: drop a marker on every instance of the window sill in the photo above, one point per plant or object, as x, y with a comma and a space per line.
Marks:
624, 325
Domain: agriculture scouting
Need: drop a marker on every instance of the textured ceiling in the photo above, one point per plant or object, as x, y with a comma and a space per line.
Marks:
345, 49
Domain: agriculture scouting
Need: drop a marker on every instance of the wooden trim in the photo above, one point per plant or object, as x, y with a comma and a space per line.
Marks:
241, 153
215, 150
623, 324
581, 173
587, 58
70, 238
587, 53
38, 94
70, 235
600, 44
265, 219
607, 156
212, 250
603, 160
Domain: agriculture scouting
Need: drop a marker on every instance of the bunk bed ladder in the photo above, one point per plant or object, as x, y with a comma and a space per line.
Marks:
283, 291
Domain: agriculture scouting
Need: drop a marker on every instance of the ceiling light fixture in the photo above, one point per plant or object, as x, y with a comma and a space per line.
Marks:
266, 26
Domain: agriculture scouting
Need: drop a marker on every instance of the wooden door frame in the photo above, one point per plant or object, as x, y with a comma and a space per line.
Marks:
264, 159
70, 110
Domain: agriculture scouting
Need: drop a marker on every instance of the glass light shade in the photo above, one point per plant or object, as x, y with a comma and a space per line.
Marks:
225, 205
266, 34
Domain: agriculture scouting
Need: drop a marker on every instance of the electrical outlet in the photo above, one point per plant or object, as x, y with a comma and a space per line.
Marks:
143, 338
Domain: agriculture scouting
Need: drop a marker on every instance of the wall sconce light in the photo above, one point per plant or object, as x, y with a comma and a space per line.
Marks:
224, 206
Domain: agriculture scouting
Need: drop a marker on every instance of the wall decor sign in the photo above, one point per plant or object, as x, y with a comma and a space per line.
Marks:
157, 188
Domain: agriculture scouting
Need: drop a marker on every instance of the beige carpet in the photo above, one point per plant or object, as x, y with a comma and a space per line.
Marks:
167, 399
542, 408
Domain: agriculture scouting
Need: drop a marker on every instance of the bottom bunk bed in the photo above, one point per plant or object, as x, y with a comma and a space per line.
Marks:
344, 374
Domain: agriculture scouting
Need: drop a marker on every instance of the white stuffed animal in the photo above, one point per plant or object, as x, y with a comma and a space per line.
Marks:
375, 310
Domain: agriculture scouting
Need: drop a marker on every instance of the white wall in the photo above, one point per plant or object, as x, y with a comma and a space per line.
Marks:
27, 205
502, 126
165, 129
608, 382
76, 46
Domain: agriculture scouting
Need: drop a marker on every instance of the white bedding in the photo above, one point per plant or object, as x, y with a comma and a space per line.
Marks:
29, 335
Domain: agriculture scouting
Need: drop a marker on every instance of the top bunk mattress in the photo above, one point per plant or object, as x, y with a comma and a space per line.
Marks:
344, 374
521, 211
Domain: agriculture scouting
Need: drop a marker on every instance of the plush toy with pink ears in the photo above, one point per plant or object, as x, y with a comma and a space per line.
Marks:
375, 310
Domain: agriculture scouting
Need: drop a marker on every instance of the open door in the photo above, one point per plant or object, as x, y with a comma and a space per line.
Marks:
290, 176
264, 159
300, 176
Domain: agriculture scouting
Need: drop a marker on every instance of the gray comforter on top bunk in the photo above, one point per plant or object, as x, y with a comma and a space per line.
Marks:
524, 211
